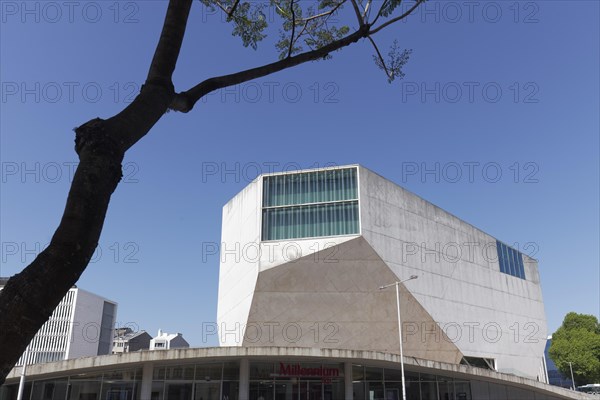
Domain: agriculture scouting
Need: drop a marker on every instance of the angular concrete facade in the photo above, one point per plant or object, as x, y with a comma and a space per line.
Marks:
323, 292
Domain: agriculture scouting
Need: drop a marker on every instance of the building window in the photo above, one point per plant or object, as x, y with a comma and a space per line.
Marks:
510, 260
310, 204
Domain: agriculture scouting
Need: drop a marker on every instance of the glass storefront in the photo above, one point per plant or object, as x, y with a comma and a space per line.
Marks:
285, 379
370, 383
214, 381
113, 385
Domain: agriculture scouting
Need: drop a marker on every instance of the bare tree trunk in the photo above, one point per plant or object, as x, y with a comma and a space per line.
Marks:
29, 298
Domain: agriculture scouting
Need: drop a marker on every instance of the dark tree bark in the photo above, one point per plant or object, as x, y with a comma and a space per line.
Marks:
30, 297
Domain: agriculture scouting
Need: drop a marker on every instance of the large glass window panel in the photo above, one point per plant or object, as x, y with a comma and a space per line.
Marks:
310, 221
84, 390
521, 266
158, 389
207, 391
49, 390
118, 390
9, 392
375, 391
283, 391
510, 260
393, 391
446, 389
178, 391
182, 372
413, 390
261, 390
358, 373
462, 390
513, 261
506, 255
159, 373
373, 374
333, 390
396, 375
231, 371
230, 390
208, 372
359, 390
429, 390
262, 371
310, 187
500, 258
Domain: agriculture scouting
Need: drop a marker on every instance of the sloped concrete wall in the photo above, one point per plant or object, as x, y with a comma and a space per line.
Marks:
485, 312
331, 299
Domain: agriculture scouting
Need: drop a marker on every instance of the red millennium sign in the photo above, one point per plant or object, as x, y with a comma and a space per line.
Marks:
297, 371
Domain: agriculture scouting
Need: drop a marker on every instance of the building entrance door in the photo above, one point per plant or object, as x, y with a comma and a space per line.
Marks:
307, 390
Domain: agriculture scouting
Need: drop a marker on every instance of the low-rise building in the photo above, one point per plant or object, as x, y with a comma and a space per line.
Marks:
166, 341
126, 340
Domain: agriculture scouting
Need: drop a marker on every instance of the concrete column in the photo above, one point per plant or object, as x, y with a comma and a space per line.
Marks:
244, 379
348, 387
146, 389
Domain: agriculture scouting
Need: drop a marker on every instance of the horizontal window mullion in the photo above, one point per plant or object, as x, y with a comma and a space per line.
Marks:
297, 222
310, 204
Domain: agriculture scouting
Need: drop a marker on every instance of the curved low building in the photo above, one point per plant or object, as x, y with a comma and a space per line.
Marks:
270, 373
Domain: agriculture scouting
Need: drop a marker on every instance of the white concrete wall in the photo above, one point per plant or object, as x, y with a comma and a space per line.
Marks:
86, 322
485, 312
240, 238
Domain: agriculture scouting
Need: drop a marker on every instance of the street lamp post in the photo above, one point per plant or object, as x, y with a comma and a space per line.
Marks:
23, 372
397, 284
572, 379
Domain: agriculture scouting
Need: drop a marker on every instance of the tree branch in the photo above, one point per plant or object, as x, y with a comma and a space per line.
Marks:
230, 13
364, 15
391, 21
380, 57
185, 101
157, 93
361, 21
293, 28
30, 297
323, 14
169, 44
383, 4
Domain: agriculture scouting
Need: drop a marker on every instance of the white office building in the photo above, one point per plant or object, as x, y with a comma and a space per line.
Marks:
80, 326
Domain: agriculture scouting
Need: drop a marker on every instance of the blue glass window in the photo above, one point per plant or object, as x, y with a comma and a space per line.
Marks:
510, 260
310, 204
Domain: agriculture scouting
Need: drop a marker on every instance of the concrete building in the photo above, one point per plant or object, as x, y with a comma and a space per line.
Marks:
304, 253
80, 326
126, 340
166, 341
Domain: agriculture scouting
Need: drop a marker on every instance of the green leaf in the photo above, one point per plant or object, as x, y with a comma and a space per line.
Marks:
250, 22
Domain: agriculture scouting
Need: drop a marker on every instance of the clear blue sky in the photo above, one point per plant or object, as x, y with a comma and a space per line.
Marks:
513, 86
